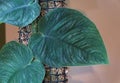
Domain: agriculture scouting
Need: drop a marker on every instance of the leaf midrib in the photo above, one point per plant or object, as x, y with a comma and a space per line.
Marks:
58, 39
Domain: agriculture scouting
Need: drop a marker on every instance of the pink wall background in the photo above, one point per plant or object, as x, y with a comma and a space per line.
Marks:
106, 15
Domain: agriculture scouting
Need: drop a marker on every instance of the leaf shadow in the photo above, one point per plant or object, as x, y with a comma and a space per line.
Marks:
79, 74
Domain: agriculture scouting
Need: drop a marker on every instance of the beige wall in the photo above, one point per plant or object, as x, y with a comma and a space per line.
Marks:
11, 33
106, 15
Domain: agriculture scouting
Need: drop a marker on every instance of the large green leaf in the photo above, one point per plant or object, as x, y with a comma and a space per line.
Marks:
18, 66
19, 12
68, 38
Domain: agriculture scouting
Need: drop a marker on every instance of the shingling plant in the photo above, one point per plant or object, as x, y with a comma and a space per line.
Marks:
64, 37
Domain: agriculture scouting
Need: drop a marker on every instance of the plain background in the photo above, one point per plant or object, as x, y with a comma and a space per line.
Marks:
106, 15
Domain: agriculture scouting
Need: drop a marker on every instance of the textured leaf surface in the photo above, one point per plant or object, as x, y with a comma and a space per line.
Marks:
19, 12
17, 65
68, 38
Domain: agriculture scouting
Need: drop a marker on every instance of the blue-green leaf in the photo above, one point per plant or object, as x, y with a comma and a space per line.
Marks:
19, 12
68, 38
18, 66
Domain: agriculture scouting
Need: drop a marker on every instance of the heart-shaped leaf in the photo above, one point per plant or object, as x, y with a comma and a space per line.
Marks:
68, 38
19, 12
18, 66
